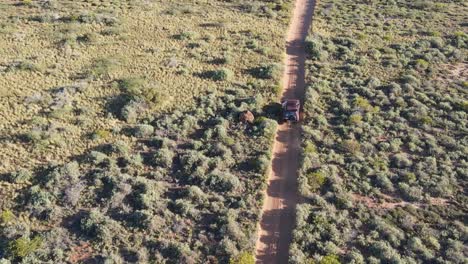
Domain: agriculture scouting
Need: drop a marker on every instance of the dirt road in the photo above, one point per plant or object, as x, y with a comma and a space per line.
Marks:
278, 217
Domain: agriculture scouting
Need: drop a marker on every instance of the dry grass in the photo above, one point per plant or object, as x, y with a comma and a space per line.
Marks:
143, 43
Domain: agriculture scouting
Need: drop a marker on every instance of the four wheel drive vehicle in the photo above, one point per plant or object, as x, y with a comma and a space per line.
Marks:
291, 109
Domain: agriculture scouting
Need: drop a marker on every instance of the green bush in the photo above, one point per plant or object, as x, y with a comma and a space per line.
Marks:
91, 225
131, 111
186, 35
355, 119
401, 160
23, 246
143, 130
267, 71
310, 148
6, 217
101, 134
132, 86
139, 90
102, 67
22, 175
222, 74
223, 181
314, 48
330, 259
163, 158
316, 180
243, 258
352, 146
120, 147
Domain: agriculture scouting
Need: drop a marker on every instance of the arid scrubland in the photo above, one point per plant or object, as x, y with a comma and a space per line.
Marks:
385, 147
119, 131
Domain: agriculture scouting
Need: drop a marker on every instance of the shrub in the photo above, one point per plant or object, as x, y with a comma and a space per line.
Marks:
383, 181
163, 158
184, 207
92, 223
101, 134
89, 38
20, 176
26, 2
141, 219
139, 90
134, 160
102, 67
186, 35
24, 66
411, 193
314, 47
120, 147
310, 148
196, 194
267, 71
410, 79
268, 127
6, 217
408, 177
89, 17
262, 164
131, 111
243, 258
69, 172
223, 181
330, 259
72, 194
352, 146
131, 86
112, 31
222, 74
401, 160
221, 132
355, 119
363, 104
39, 197
23, 246
421, 64
97, 157
316, 180
437, 42
143, 130
416, 245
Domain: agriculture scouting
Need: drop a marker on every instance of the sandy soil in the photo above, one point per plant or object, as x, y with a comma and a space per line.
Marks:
389, 202
278, 218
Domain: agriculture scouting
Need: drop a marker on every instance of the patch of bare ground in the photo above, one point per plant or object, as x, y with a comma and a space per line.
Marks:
390, 202
458, 71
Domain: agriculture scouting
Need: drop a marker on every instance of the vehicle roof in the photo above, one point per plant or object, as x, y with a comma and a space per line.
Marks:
292, 104
291, 100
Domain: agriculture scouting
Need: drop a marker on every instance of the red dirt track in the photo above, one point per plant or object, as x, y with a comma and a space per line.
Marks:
278, 218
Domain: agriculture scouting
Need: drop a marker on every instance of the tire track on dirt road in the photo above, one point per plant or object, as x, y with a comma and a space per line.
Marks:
278, 213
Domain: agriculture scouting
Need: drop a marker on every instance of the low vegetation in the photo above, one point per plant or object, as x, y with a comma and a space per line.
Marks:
120, 133
384, 143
